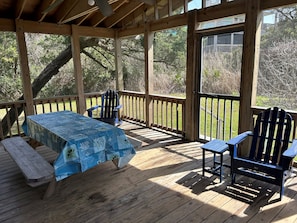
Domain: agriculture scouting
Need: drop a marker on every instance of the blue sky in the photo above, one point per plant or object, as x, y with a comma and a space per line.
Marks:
194, 4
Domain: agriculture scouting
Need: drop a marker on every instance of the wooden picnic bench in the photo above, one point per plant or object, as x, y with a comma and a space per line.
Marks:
34, 167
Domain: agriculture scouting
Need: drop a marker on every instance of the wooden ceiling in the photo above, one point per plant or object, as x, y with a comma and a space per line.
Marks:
126, 13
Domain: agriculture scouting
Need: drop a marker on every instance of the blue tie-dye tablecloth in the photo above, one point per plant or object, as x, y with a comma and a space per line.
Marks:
81, 142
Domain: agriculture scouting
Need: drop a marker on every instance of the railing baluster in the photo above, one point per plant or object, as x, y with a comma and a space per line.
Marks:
17, 120
42, 104
57, 105
231, 118
224, 122
177, 126
211, 118
171, 118
8, 120
218, 120
224, 118
205, 118
1, 131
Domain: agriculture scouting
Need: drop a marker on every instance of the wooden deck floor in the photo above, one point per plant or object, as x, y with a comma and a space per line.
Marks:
162, 183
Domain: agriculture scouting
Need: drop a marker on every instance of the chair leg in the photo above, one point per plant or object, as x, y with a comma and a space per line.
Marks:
233, 175
282, 188
281, 192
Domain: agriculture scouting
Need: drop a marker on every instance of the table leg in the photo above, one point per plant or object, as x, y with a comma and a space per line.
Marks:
50, 189
221, 167
116, 162
203, 162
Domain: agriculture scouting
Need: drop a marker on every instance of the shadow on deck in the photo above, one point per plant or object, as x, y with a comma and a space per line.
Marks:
162, 183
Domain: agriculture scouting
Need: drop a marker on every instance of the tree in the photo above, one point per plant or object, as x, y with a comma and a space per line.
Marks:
11, 86
277, 79
48, 55
277, 70
49, 71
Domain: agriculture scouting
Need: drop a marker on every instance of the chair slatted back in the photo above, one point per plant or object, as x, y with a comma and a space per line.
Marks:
271, 135
110, 100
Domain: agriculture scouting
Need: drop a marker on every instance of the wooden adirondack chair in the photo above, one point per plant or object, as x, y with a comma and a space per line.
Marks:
269, 157
110, 107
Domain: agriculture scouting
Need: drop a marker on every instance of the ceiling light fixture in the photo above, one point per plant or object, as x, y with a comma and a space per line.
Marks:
91, 2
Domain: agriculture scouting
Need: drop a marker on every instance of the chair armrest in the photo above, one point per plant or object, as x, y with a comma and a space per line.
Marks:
238, 139
118, 107
89, 110
288, 156
292, 151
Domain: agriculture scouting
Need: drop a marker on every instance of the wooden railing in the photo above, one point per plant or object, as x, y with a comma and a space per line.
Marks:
134, 106
218, 113
12, 114
54, 104
8, 113
218, 116
93, 99
168, 113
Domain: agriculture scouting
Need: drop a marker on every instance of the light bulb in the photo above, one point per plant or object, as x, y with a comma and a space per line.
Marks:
91, 2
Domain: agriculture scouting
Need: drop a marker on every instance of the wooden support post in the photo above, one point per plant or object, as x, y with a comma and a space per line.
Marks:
169, 7
186, 8
81, 106
24, 64
191, 124
149, 69
250, 64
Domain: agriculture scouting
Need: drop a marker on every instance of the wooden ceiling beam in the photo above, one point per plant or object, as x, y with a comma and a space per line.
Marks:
47, 28
81, 20
135, 18
19, 8
220, 11
7, 25
79, 10
98, 17
94, 32
121, 14
39, 15
64, 9
264, 5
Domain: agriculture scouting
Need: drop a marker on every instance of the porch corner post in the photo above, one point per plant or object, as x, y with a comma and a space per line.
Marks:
118, 63
250, 64
24, 65
78, 74
149, 59
191, 117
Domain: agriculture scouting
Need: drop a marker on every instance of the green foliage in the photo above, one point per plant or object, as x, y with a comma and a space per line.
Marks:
133, 63
221, 72
284, 28
170, 61
11, 86
98, 63
277, 69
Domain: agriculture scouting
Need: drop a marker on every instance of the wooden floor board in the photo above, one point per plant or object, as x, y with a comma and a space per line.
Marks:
163, 183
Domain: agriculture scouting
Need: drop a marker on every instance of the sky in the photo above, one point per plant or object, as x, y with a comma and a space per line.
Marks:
196, 4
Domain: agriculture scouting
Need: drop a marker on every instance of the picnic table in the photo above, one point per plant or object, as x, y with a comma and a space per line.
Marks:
80, 141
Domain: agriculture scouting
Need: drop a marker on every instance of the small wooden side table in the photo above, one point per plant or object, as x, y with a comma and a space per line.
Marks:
215, 146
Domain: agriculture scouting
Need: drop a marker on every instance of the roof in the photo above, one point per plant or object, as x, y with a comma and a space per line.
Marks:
125, 13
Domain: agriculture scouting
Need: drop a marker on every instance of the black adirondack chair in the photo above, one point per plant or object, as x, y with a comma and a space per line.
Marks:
269, 157
109, 108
